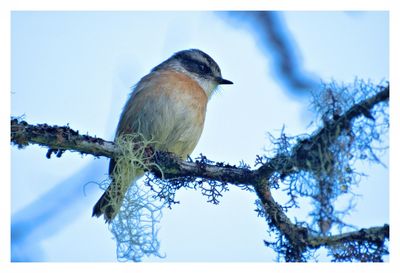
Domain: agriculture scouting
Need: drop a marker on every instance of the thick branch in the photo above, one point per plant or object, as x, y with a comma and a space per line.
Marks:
64, 138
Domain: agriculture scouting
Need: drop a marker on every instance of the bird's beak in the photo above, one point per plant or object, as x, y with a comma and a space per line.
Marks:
223, 81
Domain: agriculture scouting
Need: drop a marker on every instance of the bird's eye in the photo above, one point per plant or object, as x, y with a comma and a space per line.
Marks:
203, 68
196, 67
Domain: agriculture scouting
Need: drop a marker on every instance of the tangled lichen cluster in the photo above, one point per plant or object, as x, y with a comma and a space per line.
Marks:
322, 168
138, 212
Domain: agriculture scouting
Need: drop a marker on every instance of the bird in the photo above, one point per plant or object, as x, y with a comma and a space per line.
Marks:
168, 106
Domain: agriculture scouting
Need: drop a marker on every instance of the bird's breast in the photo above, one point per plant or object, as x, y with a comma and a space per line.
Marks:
169, 108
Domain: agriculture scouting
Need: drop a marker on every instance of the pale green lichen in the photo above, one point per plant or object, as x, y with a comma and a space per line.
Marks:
135, 226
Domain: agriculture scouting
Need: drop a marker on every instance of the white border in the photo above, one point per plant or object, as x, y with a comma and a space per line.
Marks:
199, 5
298, 5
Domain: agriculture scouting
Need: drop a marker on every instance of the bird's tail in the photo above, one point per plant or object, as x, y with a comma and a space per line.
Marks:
109, 203
111, 200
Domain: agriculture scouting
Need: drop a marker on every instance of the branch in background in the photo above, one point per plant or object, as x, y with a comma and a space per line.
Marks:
286, 61
270, 30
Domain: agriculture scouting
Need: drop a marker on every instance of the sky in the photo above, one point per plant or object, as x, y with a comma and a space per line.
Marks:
77, 68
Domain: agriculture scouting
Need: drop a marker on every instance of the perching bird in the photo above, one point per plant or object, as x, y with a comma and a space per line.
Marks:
168, 106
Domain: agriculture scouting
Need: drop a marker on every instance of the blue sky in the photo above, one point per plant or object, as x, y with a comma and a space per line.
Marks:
77, 68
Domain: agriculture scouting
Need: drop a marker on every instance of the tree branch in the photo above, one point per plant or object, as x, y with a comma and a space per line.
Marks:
372, 234
58, 138
64, 138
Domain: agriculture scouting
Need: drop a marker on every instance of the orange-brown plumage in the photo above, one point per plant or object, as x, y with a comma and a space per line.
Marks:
176, 106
